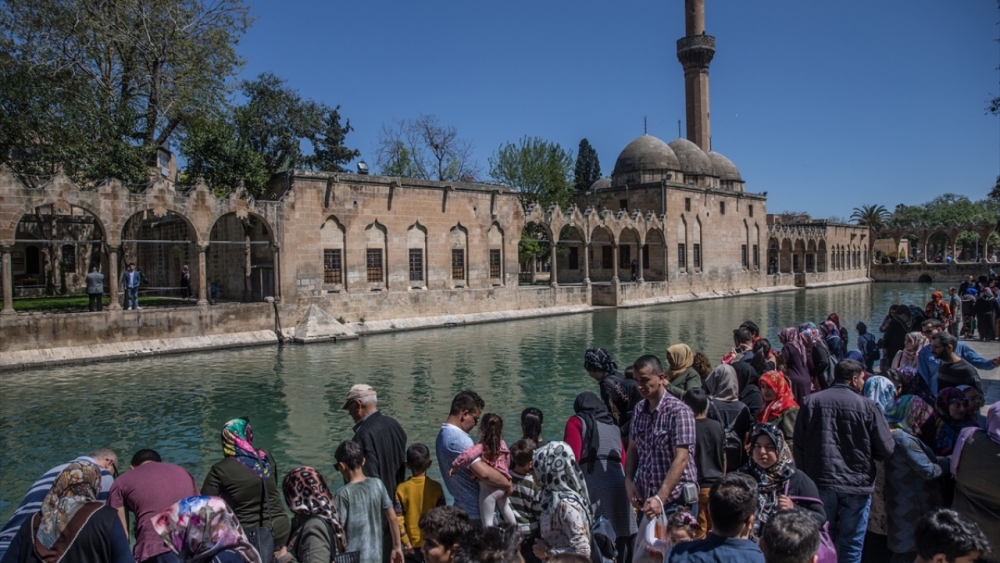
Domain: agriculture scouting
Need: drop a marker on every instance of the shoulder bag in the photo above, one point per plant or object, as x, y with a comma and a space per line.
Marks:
262, 538
827, 552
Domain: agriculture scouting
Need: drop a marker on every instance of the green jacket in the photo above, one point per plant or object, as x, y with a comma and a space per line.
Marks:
688, 379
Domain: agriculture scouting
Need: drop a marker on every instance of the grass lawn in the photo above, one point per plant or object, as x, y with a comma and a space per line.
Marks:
79, 302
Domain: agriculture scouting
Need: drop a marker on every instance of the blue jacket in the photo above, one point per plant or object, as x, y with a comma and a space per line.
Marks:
715, 549
131, 279
928, 365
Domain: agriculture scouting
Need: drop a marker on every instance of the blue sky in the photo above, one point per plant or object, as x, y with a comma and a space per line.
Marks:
824, 105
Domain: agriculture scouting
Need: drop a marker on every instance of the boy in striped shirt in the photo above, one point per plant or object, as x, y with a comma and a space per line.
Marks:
524, 500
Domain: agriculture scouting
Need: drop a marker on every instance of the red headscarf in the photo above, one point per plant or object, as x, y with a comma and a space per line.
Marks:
783, 397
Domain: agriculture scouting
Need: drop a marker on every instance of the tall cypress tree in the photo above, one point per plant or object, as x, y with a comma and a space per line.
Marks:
588, 167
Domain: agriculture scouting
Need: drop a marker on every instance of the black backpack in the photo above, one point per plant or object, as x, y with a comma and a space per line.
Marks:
869, 348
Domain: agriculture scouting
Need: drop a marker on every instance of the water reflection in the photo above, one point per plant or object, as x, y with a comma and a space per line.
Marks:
294, 394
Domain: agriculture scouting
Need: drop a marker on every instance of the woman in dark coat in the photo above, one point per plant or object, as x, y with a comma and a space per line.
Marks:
750, 392
894, 329
72, 525
796, 363
986, 310
240, 479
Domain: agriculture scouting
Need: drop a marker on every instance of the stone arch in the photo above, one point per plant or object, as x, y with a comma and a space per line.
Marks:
538, 236
798, 256
417, 255
458, 245
376, 255
822, 261
773, 255
628, 253
570, 255
161, 242
937, 245
654, 258
240, 258
602, 264
811, 256
54, 233
925, 278
496, 250
785, 261
333, 240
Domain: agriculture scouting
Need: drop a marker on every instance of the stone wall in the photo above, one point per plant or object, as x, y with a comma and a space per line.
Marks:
39, 331
941, 274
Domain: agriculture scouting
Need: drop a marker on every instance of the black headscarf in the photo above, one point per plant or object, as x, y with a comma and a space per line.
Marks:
745, 374
591, 411
598, 359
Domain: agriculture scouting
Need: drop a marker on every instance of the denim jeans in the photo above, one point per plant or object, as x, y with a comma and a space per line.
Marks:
848, 517
131, 297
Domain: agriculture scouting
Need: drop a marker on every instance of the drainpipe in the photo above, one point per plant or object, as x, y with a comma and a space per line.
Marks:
277, 319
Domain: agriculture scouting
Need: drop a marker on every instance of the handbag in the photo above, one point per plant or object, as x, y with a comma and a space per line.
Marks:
827, 552
261, 537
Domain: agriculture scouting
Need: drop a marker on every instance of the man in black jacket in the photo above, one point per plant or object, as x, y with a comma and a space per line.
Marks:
839, 434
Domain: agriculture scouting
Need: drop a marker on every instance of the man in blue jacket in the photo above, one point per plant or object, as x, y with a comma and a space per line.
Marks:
131, 280
839, 435
928, 363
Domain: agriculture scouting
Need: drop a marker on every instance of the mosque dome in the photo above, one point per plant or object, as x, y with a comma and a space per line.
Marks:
724, 168
601, 184
646, 153
692, 159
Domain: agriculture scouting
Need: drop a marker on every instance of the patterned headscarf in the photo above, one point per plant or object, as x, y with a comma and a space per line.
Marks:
237, 441
680, 357
947, 427
560, 479
722, 384
77, 485
918, 341
881, 390
790, 337
784, 399
770, 481
306, 493
598, 359
909, 414
198, 528
830, 329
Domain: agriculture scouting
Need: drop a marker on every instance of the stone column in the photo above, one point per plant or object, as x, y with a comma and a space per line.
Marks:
586, 264
639, 258
202, 274
553, 279
534, 269
112, 278
614, 262
277, 272
8, 283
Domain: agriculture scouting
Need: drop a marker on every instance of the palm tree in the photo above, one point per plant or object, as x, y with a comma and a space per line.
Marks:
872, 216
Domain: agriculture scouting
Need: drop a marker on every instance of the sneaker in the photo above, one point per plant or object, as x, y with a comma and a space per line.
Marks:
137, 307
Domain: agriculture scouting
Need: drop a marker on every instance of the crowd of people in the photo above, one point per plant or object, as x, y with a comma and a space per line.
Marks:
802, 453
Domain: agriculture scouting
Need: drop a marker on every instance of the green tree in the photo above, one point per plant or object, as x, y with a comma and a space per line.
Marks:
215, 153
106, 84
540, 170
588, 167
995, 192
329, 152
872, 216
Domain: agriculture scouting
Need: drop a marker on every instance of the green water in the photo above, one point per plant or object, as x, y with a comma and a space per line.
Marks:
293, 394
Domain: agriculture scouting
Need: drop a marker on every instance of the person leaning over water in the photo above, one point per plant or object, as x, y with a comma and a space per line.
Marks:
106, 459
72, 525
619, 394
240, 479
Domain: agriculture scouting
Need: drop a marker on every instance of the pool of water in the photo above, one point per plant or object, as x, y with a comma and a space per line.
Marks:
293, 394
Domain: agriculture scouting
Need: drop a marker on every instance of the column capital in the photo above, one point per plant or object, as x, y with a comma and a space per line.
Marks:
114, 248
6, 249
202, 247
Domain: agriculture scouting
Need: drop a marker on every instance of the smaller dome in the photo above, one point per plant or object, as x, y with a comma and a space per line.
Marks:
724, 168
646, 153
601, 184
693, 160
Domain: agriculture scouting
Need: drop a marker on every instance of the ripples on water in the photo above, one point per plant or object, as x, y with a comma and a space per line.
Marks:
293, 394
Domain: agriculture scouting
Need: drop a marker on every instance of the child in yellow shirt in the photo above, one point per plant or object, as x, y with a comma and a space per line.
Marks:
415, 497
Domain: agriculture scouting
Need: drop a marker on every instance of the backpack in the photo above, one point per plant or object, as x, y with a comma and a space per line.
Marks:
602, 541
732, 441
868, 347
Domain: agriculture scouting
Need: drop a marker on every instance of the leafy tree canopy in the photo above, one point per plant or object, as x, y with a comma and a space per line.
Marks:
588, 167
946, 209
540, 170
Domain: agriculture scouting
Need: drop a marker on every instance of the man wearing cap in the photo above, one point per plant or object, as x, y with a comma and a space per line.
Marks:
381, 438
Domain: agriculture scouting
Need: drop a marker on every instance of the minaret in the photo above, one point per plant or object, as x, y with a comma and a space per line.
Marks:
695, 52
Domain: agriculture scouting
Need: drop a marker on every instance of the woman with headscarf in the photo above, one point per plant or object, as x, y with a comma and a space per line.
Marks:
72, 525
912, 475
763, 356
907, 357
317, 533
835, 344
598, 448
777, 479
680, 375
844, 333
725, 408
204, 529
796, 362
780, 408
746, 377
894, 330
908, 382
882, 392
975, 463
564, 524
241, 479
986, 312
938, 308
952, 409
620, 395
818, 356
